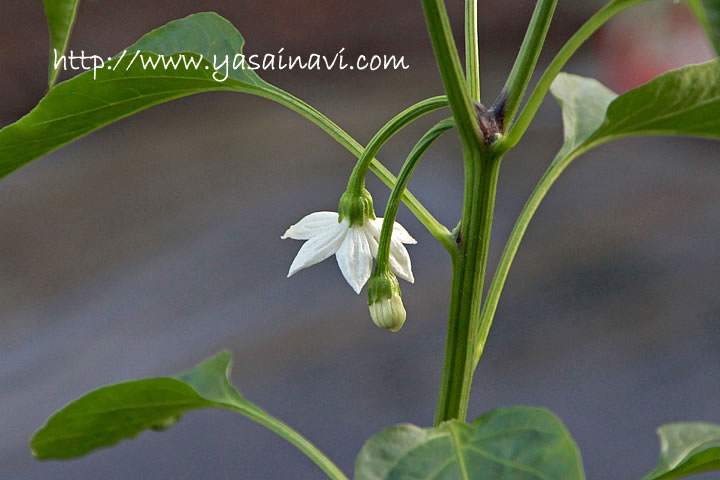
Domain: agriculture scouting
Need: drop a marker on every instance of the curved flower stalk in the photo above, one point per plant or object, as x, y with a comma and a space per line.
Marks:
354, 246
384, 295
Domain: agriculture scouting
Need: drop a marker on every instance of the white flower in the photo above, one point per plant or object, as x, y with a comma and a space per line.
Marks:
354, 246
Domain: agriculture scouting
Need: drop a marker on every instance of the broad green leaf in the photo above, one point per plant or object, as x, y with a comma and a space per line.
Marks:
681, 102
106, 416
708, 14
519, 443
685, 101
60, 16
95, 98
687, 449
113, 413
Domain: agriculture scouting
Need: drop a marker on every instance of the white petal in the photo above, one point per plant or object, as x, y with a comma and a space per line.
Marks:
399, 257
311, 225
355, 259
399, 232
400, 260
372, 234
319, 247
373, 227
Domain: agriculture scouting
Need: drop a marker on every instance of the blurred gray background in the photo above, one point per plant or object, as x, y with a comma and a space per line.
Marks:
153, 243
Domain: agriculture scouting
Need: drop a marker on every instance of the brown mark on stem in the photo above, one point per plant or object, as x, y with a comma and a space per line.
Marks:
492, 120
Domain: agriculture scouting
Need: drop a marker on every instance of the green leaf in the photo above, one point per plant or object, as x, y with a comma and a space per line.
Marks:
60, 16
687, 449
584, 102
211, 380
106, 416
681, 102
518, 443
95, 98
708, 14
110, 414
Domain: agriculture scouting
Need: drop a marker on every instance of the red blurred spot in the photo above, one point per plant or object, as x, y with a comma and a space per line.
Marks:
645, 42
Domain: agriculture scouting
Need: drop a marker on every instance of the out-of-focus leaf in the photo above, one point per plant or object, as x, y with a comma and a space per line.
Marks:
60, 16
117, 412
687, 449
681, 102
584, 102
519, 443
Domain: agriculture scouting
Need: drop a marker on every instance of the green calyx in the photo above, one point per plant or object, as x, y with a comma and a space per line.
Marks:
385, 301
382, 285
355, 207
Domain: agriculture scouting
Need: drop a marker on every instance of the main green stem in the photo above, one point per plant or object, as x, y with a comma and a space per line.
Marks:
470, 255
469, 264
467, 328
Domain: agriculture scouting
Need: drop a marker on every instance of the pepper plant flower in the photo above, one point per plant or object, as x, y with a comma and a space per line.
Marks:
354, 246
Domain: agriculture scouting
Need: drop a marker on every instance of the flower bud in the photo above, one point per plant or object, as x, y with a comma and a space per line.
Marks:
356, 208
389, 313
385, 302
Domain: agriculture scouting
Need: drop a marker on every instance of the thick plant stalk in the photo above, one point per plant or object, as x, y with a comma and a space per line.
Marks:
481, 169
466, 298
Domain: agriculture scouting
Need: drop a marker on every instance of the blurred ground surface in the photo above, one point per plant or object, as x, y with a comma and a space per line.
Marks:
153, 243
